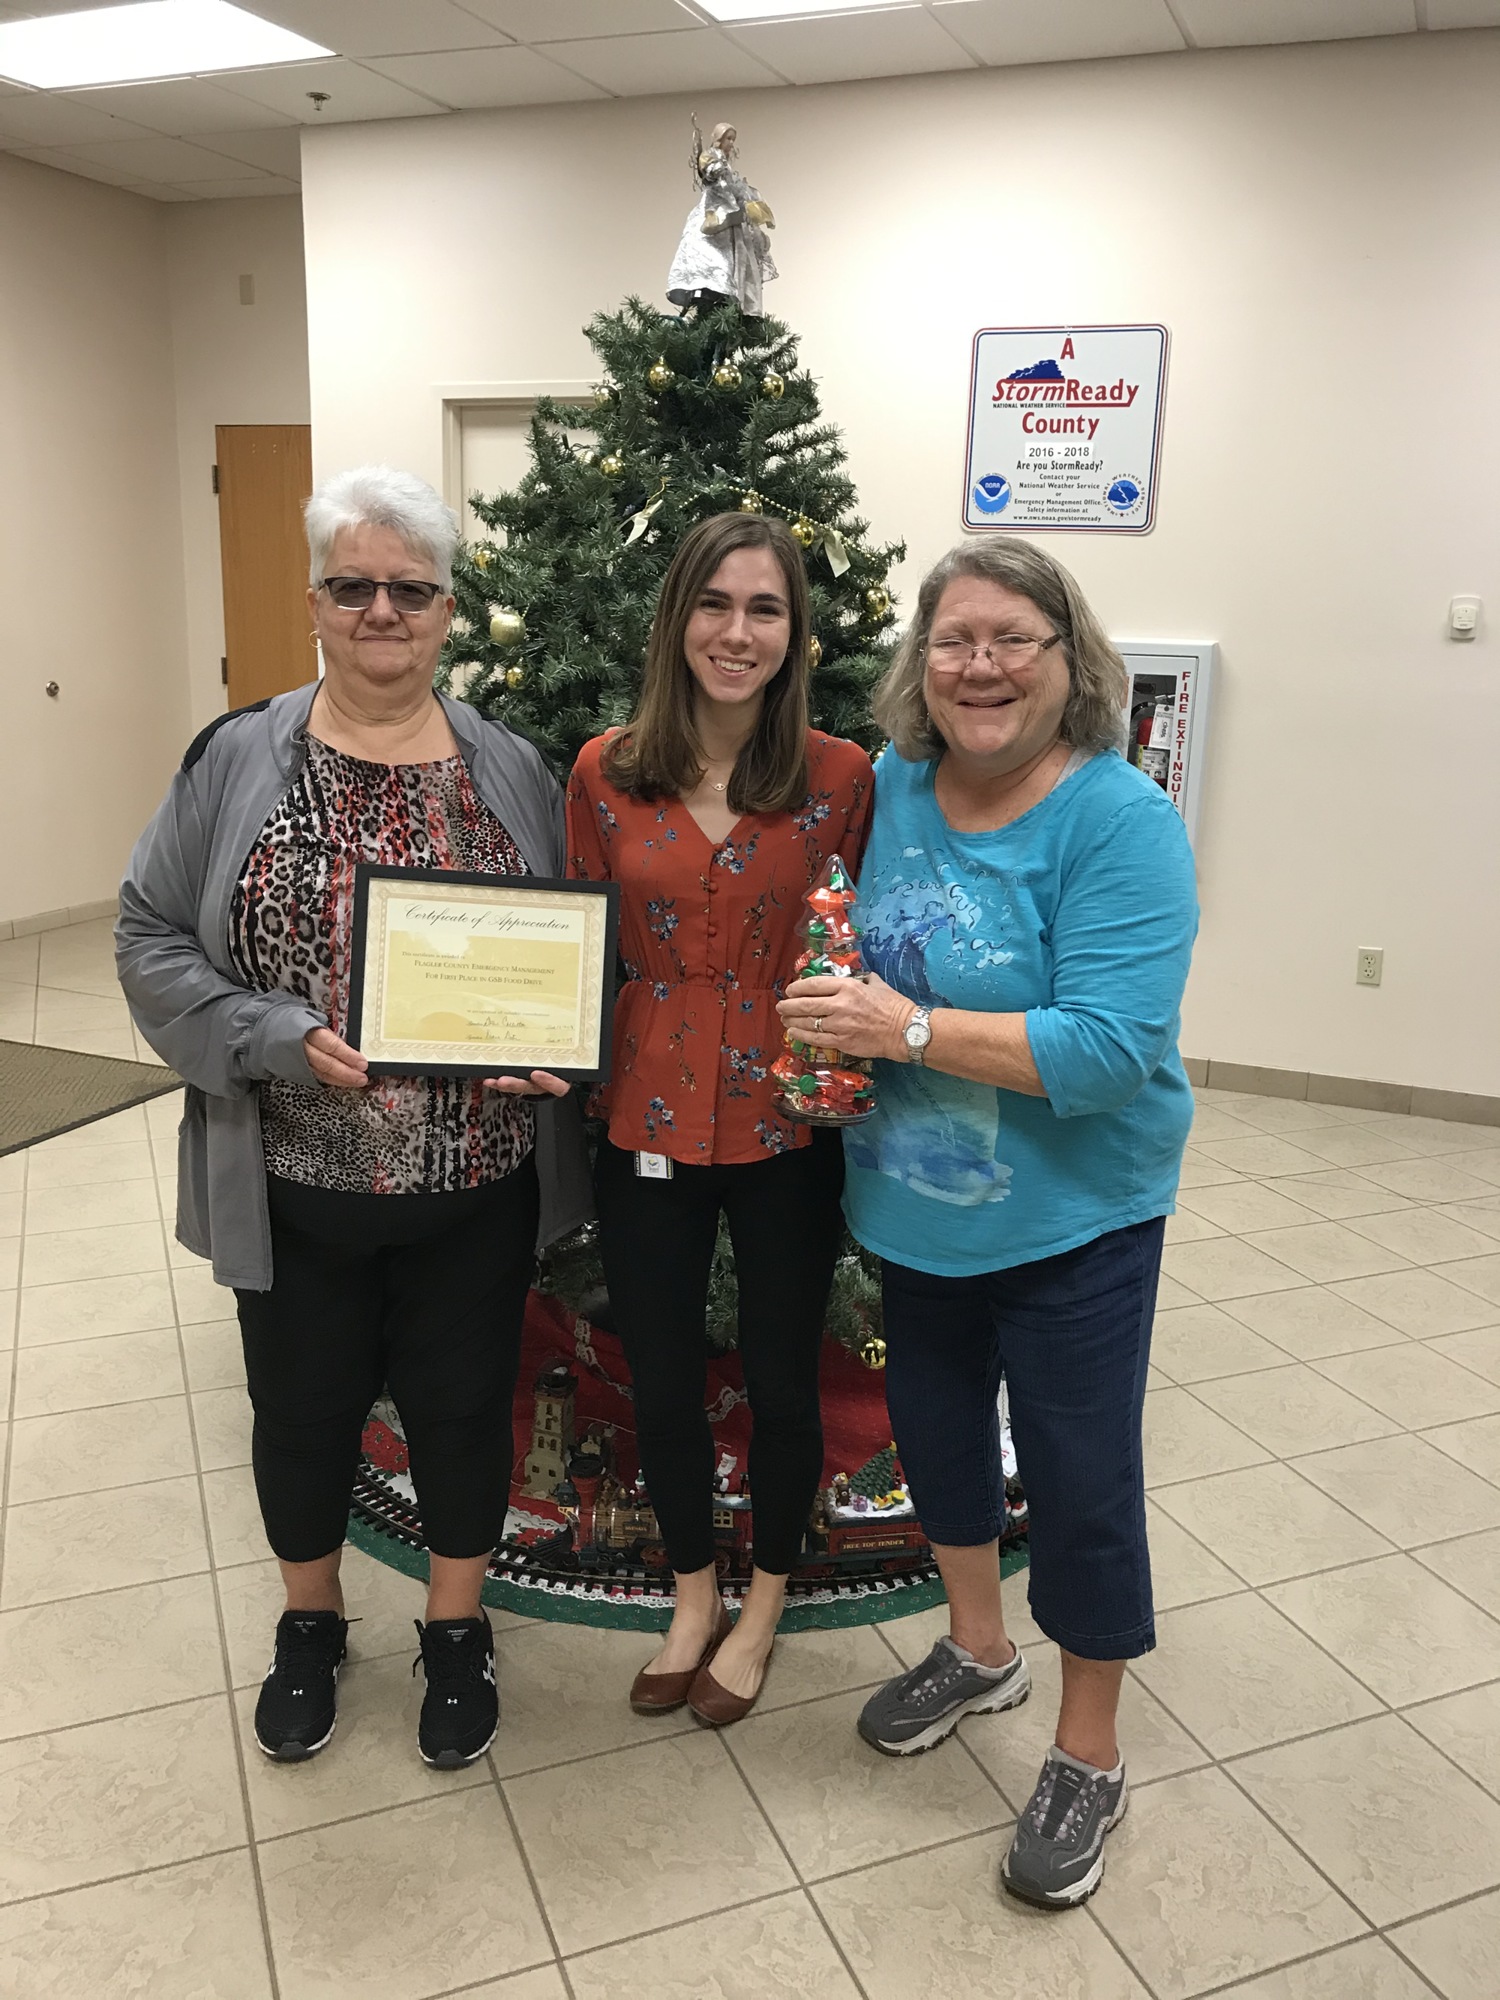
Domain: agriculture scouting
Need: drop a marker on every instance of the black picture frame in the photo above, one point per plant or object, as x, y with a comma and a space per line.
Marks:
501, 890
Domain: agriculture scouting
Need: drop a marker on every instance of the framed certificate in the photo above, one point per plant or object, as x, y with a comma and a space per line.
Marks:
482, 975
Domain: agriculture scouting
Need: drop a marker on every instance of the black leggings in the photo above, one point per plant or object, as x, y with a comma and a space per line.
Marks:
657, 1240
421, 1292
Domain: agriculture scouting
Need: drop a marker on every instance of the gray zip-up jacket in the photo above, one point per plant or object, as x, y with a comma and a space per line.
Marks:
172, 952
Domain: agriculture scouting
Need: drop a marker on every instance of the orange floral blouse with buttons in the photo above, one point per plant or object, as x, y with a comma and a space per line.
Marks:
707, 942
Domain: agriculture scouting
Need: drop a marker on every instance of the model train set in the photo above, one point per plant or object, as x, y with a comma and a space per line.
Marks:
582, 1539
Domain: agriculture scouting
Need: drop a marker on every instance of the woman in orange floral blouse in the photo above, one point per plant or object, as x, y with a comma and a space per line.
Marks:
715, 810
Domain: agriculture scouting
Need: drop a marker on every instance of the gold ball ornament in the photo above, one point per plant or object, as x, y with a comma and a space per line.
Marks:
872, 1352
751, 502
804, 534
507, 626
727, 376
602, 393
612, 465
481, 558
588, 456
514, 676
814, 652
659, 375
877, 600
773, 385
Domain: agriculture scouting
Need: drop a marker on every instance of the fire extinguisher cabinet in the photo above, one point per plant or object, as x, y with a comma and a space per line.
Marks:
1167, 715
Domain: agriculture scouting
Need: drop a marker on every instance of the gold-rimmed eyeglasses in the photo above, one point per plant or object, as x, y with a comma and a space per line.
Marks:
1007, 649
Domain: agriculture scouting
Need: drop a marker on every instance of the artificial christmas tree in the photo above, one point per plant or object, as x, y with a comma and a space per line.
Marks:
695, 415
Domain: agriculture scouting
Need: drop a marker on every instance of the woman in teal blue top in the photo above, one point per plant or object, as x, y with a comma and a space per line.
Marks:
1029, 911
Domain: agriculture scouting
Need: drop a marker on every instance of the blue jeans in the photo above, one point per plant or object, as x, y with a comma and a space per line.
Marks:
1072, 1335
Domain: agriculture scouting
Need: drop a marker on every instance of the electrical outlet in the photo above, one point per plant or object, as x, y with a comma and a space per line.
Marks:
1369, 963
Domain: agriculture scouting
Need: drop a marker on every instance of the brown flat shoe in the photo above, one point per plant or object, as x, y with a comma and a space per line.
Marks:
659, 1694
715, 1706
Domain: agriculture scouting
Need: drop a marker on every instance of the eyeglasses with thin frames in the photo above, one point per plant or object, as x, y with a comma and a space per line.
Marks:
1008, 649
407, 594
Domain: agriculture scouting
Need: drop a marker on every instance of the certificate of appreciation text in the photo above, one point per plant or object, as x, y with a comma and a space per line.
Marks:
482, 975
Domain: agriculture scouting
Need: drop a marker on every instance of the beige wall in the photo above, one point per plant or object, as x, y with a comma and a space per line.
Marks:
124, 343
90, 525
1316, 227
234, 364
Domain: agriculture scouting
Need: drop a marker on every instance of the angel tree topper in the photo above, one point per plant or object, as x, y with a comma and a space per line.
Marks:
724, 249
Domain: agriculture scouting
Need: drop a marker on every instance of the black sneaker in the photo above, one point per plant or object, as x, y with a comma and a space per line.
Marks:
298, 1705
461, 1708
1056, 1857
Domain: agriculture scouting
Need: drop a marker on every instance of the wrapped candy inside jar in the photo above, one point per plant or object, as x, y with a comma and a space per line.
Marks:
818, 1084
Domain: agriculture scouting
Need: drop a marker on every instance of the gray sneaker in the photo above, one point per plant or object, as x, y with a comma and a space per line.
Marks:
919, 1708
1056, 1857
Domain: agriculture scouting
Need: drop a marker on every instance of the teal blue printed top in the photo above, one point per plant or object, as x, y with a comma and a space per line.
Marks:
1080, 915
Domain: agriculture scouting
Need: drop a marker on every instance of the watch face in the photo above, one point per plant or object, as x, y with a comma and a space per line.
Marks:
917, 1034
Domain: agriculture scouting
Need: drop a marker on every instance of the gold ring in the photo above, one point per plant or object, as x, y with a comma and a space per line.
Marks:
818, 1025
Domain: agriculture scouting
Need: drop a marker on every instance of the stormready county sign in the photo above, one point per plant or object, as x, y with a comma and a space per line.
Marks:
1065, 428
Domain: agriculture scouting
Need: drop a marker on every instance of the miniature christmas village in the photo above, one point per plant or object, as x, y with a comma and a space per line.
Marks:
582, 1522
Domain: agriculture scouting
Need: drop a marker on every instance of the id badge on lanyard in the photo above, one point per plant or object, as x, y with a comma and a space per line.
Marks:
653, 1166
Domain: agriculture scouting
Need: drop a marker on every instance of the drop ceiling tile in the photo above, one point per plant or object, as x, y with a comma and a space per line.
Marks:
154, 190
1019, 31
155, 159
1463, 13
38, 118
905, 42
277, 152
182, 107
568, 20
380, 27
643, 65
32, 7
480, 78
353, 92
1222, 24
225, 190
111, 173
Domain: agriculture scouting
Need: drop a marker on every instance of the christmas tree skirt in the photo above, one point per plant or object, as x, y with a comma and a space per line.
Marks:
581, 1542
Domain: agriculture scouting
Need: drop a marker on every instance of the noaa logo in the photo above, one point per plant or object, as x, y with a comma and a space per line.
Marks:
1124, 494
992, 494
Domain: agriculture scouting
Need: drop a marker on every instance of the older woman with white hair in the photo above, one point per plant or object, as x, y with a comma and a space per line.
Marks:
1029, 914
375, 1231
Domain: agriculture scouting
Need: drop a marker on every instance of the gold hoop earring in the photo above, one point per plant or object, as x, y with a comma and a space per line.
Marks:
312, 638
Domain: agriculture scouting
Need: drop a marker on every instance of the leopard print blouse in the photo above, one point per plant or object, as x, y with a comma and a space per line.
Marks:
291, 922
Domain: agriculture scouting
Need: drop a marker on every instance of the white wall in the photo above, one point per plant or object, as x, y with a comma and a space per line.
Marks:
90, 526
234, 364
1316, 227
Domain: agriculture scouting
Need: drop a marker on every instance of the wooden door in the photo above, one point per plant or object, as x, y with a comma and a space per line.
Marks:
264, 476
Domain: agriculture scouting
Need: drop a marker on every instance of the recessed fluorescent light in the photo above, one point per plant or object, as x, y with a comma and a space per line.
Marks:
158, 38
782, 10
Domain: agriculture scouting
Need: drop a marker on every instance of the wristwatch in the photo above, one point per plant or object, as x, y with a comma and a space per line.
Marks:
917, 1034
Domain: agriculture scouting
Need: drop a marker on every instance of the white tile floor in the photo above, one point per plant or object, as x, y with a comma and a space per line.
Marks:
1313, 1744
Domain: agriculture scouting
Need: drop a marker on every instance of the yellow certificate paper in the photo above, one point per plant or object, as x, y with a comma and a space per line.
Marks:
482, 975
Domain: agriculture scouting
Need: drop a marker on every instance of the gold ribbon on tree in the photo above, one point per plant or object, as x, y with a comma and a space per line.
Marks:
825, 536
641, 521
